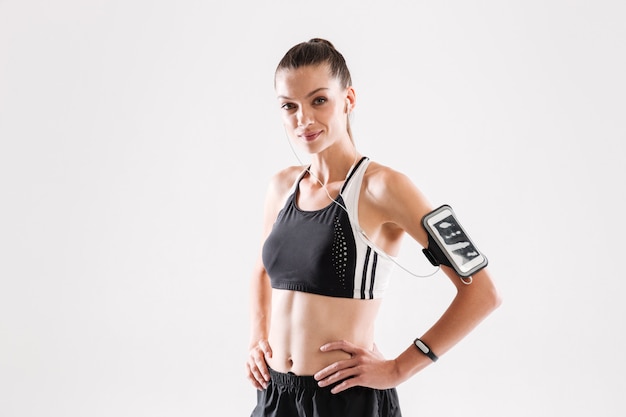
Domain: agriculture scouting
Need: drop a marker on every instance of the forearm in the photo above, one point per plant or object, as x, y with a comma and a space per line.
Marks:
260, 318
260, 307
471, 305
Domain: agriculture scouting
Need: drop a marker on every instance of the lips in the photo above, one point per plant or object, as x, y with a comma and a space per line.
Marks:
310, 136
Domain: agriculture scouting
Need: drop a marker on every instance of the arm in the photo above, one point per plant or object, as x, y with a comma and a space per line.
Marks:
260, 315
471, 304
397, 204
260, 288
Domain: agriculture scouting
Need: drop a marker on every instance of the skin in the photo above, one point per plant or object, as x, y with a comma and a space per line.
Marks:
333, 338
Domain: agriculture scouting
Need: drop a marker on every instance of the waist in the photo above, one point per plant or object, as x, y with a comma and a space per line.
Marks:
290, 379
302, 323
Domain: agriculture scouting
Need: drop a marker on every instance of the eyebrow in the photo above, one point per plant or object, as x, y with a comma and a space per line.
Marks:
312, 93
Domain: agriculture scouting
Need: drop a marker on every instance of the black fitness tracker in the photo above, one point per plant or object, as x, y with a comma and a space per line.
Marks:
423, 347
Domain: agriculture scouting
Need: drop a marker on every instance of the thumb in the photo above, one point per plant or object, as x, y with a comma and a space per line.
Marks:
267, 349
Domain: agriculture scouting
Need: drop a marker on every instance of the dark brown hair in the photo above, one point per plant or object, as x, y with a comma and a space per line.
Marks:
315, 52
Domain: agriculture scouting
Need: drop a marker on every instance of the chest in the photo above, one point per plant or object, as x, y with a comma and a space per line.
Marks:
311, 196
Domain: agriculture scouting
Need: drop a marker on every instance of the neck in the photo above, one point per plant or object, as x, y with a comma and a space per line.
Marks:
329, 167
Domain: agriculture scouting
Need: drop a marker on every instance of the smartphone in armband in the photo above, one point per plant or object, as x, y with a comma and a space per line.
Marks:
449, 244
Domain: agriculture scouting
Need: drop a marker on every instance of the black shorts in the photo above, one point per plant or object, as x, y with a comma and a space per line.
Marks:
289, 395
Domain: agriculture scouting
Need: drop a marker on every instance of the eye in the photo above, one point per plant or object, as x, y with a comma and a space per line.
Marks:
288, 106
320, 100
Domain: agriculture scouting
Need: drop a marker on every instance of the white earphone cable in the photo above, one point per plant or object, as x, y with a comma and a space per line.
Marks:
361, 233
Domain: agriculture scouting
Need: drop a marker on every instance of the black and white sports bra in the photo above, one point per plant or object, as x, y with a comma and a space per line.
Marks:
321, 252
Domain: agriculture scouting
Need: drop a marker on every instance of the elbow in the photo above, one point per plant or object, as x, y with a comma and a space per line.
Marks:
481, 293
492, 299
496, 300
489, 294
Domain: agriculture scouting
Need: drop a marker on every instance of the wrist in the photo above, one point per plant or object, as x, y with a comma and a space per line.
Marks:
256, 340
425, 349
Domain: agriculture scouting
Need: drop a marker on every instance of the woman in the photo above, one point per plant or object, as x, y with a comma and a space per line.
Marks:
323, 269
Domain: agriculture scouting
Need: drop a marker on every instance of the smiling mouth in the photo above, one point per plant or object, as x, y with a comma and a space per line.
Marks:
309, 136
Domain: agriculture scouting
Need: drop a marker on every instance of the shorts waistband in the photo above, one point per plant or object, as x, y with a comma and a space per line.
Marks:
293, 380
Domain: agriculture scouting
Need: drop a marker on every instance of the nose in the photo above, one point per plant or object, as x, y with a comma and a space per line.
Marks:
303, 116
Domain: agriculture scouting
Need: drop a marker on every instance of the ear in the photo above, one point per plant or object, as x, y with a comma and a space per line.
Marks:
350, 99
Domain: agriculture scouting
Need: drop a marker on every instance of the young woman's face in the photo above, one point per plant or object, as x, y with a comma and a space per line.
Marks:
314, 106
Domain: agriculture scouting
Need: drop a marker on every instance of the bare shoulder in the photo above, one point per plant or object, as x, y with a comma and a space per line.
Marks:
385, 184
378, 172
394, 200
278, 188
281, 182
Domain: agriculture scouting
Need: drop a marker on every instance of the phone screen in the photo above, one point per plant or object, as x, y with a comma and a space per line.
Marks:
454, 241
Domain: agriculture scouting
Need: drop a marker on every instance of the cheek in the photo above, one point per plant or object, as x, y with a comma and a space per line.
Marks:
288, 120
327, 116
337, 116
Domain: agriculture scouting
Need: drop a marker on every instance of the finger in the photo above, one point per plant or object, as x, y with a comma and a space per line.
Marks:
260, 369
344, 385
343, 379
264, 371
258, 363
266, 348
339, 345
255, 377
334, 369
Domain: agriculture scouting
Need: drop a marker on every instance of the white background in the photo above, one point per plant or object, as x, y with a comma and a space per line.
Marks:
137, 138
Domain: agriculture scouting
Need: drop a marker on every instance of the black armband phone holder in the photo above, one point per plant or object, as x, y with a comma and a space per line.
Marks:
449, 244
434, 253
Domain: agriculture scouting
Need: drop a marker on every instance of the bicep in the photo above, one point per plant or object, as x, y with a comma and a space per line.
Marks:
406, 205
